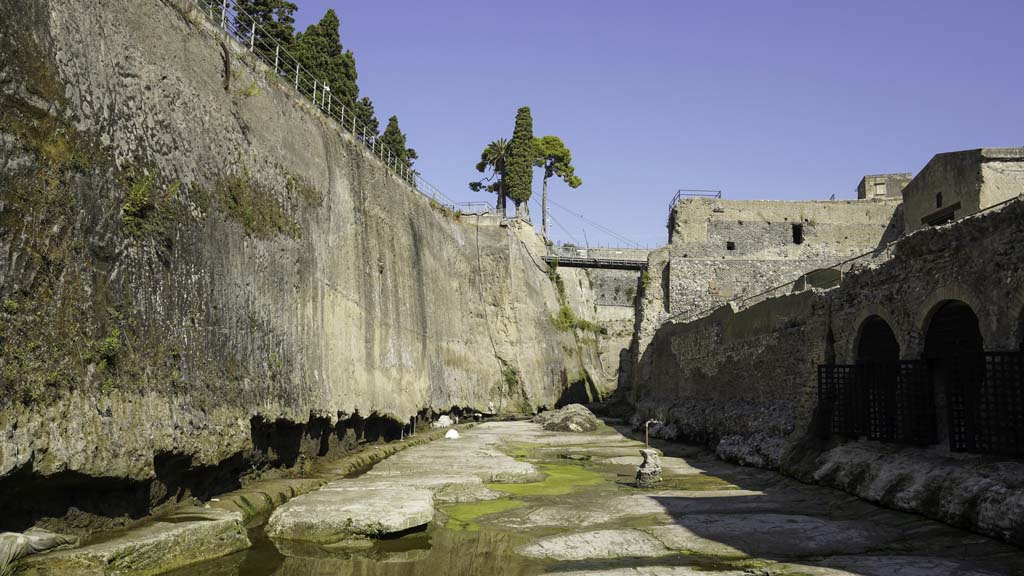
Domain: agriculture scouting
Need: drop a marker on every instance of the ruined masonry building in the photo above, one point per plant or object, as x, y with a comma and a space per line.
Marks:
871, 345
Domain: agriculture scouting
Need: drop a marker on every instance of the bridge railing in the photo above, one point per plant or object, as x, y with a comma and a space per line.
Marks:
242, 28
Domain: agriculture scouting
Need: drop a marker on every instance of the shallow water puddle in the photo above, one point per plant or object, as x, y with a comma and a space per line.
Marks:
462, 516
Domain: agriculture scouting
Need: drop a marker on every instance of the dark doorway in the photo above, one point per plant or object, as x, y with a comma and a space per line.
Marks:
798, 233
877, 343
954, 351
878, 357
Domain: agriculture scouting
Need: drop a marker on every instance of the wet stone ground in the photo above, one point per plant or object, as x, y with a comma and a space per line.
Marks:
510, 498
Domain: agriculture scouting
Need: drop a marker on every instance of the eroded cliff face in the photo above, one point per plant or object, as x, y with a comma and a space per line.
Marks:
205, 279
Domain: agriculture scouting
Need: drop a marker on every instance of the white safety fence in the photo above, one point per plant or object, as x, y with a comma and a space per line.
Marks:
226, 15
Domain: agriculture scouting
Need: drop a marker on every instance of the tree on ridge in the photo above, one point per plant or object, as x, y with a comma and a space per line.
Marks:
395, 141
275, 23
320, 52
493, 158
556, 159
365, 117
519, 165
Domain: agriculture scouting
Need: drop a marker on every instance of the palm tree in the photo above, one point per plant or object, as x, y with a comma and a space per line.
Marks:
493, 158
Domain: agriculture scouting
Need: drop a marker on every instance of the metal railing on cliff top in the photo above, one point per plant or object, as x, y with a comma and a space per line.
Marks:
226, 15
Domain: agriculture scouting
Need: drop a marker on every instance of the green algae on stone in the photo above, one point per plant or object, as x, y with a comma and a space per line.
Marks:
462, 516
521, 450
561, 479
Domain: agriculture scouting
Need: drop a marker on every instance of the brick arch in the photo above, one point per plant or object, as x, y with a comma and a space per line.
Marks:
930, 305
865, 312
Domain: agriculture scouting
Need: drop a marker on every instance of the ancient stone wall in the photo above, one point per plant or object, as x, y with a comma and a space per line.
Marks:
733, 250
955, 184
778, 343
198, 278
745, 381
883, 185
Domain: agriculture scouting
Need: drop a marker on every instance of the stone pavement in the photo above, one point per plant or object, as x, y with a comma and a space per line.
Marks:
508, 498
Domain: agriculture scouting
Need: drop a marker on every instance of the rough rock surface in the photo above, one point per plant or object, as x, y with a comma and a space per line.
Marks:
191, 535
571, 418
758, 449
399, 493
760, 534
658, 571
596, 544
584, 518
172, 330
648, 474
352, 507
975, 491
14, 546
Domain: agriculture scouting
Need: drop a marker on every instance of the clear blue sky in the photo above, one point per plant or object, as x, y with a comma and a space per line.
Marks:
764, 100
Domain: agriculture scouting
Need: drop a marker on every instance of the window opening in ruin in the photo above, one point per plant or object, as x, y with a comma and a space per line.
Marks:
955, 354
938, 200
798, 233
730, 245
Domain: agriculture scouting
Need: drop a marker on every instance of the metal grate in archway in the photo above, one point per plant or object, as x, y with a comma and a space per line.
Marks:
1000, 405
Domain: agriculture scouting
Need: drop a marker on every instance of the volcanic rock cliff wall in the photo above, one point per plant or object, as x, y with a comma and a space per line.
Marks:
196, 277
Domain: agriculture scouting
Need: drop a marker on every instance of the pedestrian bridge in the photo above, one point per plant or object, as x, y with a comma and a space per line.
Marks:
602, 263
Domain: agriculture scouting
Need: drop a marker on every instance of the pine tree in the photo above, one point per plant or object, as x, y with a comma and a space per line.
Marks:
365, 118
519, 166
275, 23
556, 160
321, 54
395, 141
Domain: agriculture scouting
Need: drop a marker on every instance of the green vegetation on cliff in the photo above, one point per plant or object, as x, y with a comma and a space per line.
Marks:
254, 207
567, 320
152, 211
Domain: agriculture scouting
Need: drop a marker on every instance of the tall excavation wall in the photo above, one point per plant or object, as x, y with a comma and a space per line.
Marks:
195, 280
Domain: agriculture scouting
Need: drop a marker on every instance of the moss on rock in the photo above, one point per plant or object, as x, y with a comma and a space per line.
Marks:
255, 208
